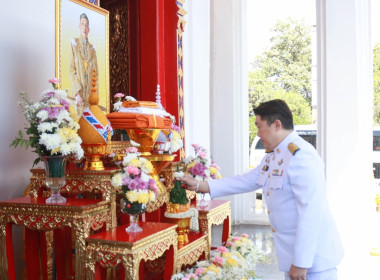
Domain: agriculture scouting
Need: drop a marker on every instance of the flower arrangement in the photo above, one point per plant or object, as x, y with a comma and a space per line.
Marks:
202, 167
134, 181
117, 105
175, 139
236, 260
52, 126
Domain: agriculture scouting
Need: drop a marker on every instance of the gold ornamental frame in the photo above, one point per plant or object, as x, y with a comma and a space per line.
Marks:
67, 14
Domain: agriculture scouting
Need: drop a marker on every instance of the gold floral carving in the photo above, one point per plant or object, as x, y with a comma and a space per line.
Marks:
109, 253
160, 200
190, 253
215, 216
49, 217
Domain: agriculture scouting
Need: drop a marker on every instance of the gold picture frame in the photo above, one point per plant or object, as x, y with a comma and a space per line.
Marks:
68, 17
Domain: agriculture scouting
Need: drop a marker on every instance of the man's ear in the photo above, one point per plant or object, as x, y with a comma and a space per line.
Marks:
278, 124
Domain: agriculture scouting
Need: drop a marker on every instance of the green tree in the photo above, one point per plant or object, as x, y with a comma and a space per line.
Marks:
376, 84
287, 60
283, 71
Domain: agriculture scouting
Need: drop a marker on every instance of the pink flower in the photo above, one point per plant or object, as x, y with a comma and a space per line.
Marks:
131, 150
132, 170
222, 249
202, 154
230, 244
218, 260
244, 235
119, 95
54, 81
190, 276
199, 271
236, 238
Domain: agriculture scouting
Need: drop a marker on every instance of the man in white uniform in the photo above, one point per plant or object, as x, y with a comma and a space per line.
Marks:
291, 175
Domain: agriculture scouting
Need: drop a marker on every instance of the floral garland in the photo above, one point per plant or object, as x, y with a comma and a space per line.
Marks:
52, 122
236, 260
134, 181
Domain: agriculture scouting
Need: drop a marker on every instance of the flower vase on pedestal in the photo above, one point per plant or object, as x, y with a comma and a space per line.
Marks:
55, 177
134, 210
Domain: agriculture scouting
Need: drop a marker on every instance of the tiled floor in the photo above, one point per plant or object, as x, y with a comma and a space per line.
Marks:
262, 236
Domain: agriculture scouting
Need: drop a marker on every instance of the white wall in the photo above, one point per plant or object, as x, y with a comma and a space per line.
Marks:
27, 58
27, 62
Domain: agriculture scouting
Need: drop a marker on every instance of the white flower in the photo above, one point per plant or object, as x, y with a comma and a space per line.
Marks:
188, 159
43, 115
63, 116
134, 144
130, 98
117, 106
46, 127
178, 174
117, 180
50, 141
145, 177
127, 159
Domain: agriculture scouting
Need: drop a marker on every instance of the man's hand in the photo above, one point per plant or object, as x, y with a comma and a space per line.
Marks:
297, 273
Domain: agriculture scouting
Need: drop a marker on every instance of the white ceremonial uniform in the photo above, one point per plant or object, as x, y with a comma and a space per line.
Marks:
304, 231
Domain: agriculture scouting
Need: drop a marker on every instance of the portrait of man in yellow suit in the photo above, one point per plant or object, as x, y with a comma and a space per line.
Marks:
82, 63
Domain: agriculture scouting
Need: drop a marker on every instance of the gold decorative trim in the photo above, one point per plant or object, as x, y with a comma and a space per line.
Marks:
192, 252
111, 253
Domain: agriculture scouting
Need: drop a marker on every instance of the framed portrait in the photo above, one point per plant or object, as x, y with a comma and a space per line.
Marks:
82, 51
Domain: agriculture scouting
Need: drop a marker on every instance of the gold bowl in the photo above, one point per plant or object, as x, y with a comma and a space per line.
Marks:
146, 137
93, 154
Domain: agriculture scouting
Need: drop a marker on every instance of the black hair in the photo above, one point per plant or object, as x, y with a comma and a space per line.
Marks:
273, 110
84, 16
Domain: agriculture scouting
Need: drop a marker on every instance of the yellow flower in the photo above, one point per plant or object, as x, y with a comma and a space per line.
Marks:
146, 165
226, 255
213, 170
143, 197
213, 268
192, 164
132, 196
152, 196
232, 262
135, 162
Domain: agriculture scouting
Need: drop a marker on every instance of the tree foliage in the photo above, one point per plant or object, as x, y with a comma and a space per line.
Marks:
376, 84
283, 71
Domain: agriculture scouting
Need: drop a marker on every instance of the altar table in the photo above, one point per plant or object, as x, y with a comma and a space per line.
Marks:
196, 249
108, 249
216, 213
35, 215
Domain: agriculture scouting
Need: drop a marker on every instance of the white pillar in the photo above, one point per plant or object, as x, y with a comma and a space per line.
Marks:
196, 49
345, 126
229, 92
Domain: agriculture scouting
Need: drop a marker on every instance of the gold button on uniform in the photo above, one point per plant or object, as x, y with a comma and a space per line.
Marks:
268, 211
267, 193
273, 230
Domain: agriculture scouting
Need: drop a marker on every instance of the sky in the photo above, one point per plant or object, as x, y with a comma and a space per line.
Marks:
261, 16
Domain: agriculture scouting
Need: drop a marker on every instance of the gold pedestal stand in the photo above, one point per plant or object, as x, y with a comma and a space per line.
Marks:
93, 154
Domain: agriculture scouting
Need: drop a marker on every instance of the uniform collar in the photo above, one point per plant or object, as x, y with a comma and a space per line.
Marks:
284, 143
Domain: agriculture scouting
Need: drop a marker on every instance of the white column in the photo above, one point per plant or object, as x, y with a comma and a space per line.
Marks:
345, 126
197, 74
229, 92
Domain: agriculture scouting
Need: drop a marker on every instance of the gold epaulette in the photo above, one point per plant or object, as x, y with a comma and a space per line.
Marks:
293, 148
